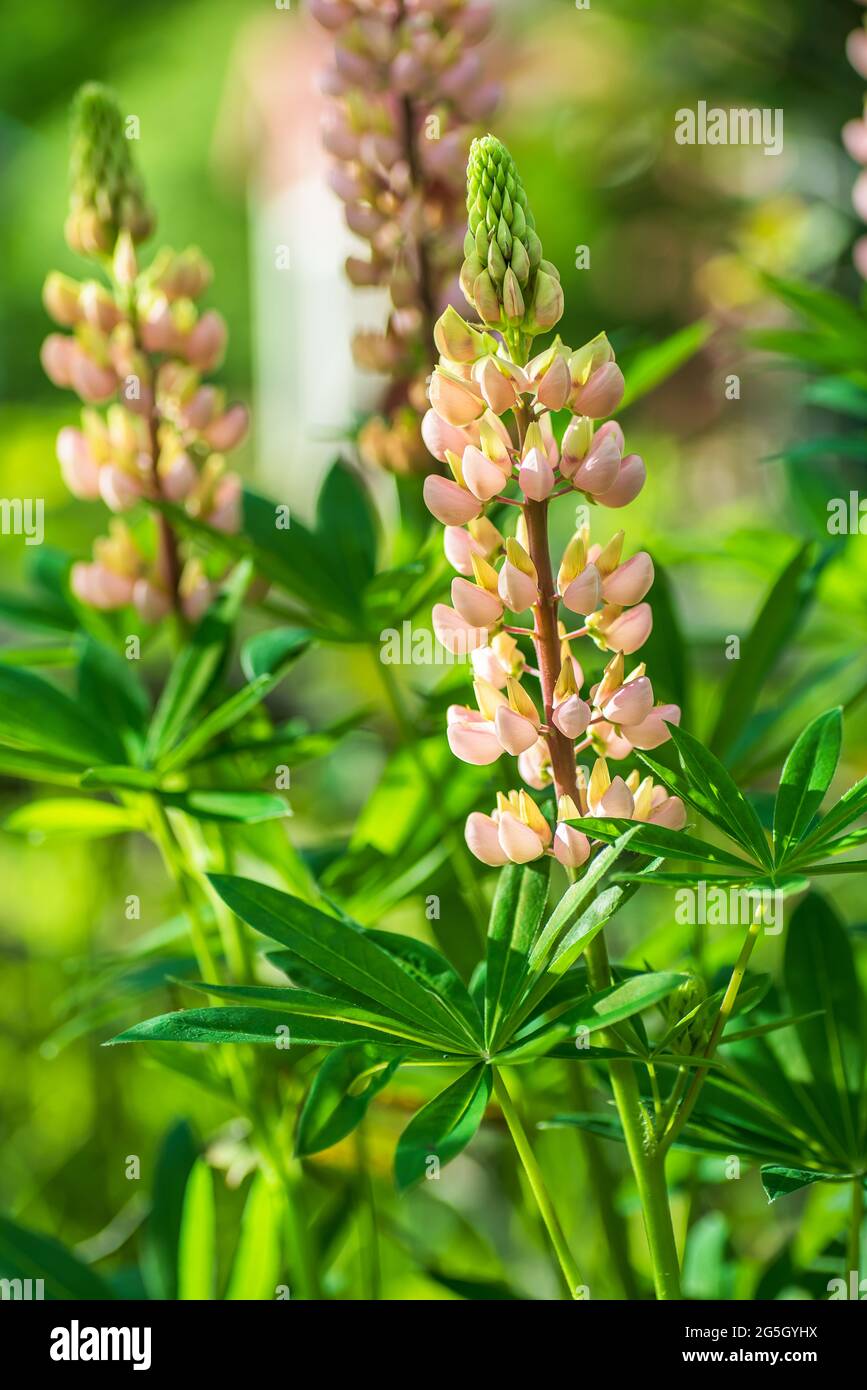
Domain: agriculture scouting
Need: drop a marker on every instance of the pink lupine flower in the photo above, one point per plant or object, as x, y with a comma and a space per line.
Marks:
477, 605
100, 587
600, 469
670, 812
519, 842
608, 797
79, 468
631, 704
496, 387
450, 503
629, 582
571, 846
536, 476
178, 476
205, 344
630, 480
534, 765
554, 386
226, 510
441, 438
483, 477
625, 632
119, 488
651, 731
455, 400
460, 547
482, 837
582, 594
518, 581
512, 290
572, 716
601, 394
151, 601
472, 738
60, 295
855, 139
228, 430
454, 633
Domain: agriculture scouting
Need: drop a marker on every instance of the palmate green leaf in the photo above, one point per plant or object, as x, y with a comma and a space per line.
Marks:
108, 686
26, 1254
256, 1267
72, 818
828, 311
601, 1010
851, 805
781, 613
247, 808
345, 954
340, 1093
660, 841
710, 784
443, 1127
310, 1005
779, 1181
197, 1239
224, 717
272, 652
426, 964
177, 1156
821, 980
335, 1023
516, 915
805, 778
195, 667
37, 716
107, 777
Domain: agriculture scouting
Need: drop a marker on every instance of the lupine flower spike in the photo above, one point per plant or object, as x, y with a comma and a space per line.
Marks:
490, 423
406, 85
137, 344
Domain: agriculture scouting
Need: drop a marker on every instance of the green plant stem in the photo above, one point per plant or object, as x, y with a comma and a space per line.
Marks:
371, 1268
602, 1181
856, 1220
646, 1159
537, 1186
725, 1012
467, 878
285, 1175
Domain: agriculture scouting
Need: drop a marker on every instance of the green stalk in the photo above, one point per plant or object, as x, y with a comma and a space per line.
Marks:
286, 1175
603, 1181
856, 1219
537, 1186
725, 1012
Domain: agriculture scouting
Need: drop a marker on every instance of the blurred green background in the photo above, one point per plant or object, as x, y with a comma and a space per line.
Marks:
675, 235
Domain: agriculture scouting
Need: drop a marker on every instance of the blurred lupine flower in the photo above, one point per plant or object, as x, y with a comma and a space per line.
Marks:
140, 343
491, 423
855, 140
406, 85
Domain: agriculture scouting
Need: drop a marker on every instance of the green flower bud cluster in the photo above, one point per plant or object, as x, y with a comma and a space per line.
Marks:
504, 276
686, 1015
106, 194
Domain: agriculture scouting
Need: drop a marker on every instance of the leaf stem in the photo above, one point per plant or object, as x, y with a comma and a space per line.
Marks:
537, 1186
